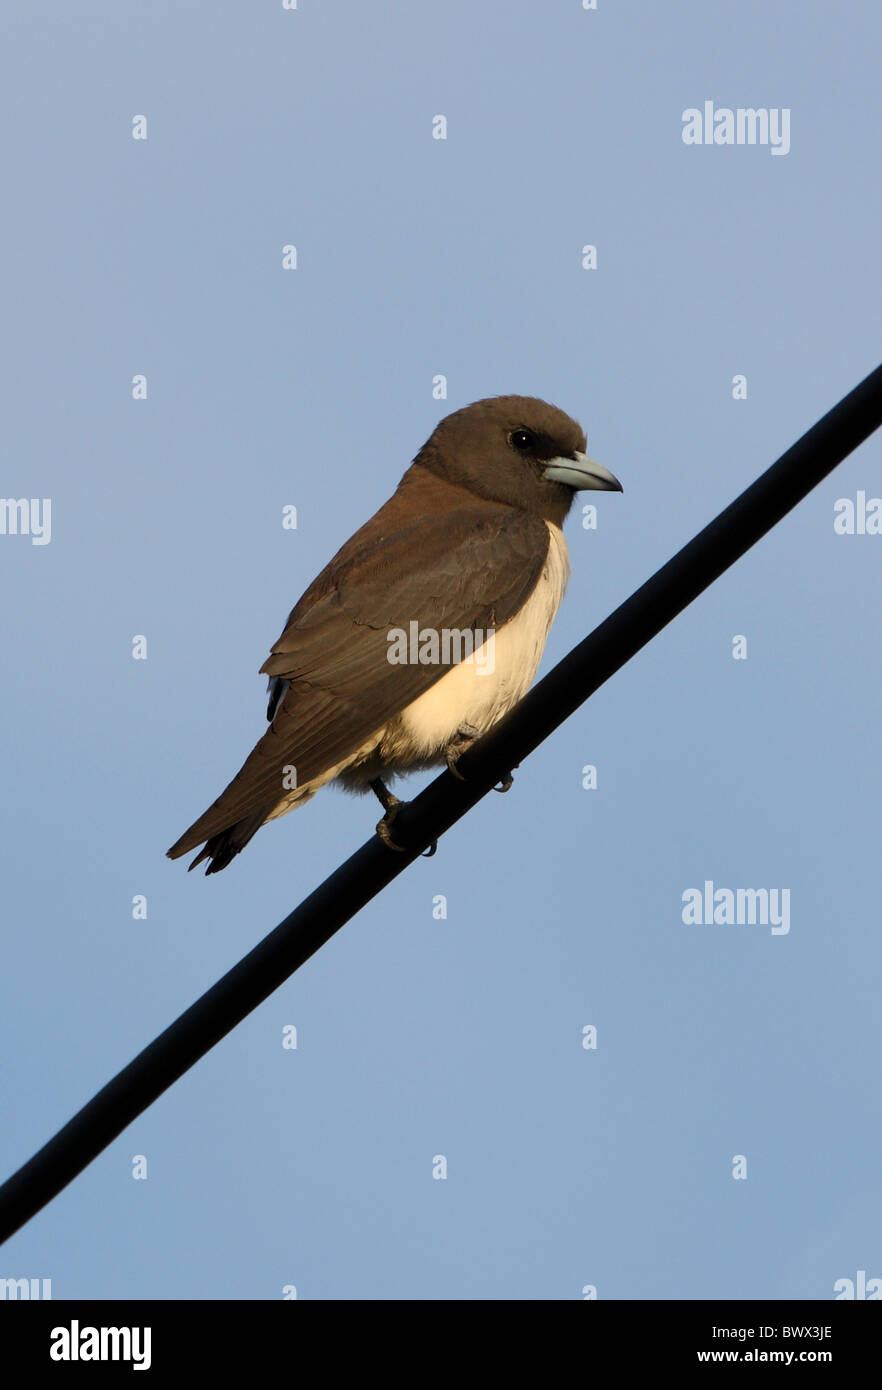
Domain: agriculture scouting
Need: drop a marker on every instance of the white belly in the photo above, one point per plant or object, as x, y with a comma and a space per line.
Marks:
469, 694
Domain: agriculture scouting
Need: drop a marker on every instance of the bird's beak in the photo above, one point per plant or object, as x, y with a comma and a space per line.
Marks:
581, 474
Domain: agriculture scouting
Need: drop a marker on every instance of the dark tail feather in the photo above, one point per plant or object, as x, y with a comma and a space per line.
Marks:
224, 846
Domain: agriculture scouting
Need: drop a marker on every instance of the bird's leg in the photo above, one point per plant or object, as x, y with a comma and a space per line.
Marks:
461, 743
392, 805
388, 800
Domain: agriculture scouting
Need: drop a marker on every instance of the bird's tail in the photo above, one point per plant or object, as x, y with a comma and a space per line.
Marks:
224, 846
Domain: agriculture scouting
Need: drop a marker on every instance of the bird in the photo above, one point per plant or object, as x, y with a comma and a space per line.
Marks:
362, 684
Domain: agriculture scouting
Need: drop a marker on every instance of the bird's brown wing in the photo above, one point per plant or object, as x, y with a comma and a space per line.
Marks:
468, 568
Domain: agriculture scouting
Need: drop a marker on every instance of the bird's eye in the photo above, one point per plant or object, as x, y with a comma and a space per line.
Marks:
522, 440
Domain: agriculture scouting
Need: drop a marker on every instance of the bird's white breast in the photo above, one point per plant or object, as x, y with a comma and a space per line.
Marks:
468, 695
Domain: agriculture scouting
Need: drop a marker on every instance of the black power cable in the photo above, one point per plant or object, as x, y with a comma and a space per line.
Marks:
443, 802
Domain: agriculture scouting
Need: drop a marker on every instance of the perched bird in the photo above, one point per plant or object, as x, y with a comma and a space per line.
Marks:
362, 683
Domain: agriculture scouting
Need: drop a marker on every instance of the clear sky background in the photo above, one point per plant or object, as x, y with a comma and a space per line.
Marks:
461, 1037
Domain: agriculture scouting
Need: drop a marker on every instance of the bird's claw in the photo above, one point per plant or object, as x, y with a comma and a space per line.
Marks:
459, 744
384, 832
384, 826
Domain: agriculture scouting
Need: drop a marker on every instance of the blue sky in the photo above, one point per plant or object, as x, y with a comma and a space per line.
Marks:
567, 1167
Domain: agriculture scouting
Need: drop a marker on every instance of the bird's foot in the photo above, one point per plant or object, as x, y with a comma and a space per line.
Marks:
384, 829
392, 805
460, 743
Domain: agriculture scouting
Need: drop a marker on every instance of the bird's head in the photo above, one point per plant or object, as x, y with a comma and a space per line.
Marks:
517, 450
